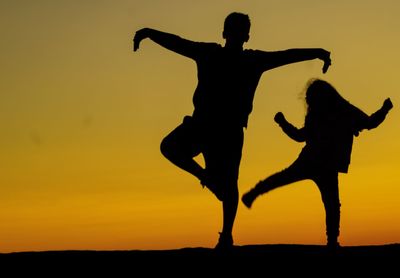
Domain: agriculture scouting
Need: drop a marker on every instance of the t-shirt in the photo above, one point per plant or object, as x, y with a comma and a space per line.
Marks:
227, 80
329, 140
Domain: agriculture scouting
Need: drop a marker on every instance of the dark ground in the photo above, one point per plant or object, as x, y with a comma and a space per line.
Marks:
260, 260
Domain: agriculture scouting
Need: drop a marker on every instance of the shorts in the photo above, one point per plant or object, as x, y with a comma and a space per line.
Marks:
221, 147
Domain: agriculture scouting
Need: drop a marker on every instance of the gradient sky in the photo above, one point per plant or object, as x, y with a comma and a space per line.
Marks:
82, 116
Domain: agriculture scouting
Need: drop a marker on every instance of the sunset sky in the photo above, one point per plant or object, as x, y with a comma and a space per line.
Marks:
82, 117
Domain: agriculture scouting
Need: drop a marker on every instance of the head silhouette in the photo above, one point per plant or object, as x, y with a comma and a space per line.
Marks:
322, 96
236, 28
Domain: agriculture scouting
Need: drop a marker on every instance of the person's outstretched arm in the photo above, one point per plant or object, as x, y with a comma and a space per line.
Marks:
275, 59
290, 130
379, 116
169, 41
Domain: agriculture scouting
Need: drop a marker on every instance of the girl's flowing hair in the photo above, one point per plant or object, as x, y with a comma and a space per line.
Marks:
323, 101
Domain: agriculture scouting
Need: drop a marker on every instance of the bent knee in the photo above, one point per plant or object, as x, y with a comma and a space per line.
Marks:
165, 147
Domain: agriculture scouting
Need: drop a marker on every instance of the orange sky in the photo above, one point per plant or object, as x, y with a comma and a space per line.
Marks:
82, 116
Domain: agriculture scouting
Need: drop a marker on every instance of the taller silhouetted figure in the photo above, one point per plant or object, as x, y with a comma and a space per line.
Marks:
227, 80
329, 127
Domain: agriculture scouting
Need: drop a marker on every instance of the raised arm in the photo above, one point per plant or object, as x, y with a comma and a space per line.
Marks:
275, 59
169, 41
290, 130
379, 116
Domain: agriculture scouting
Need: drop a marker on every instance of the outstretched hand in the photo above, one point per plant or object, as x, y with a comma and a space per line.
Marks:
279, 118
387, 104
139, 36
327, 60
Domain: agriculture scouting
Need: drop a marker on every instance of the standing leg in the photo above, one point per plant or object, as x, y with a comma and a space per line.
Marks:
329, 188
222, 155
229, 209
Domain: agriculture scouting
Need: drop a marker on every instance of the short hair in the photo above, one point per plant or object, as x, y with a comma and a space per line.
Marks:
237, 22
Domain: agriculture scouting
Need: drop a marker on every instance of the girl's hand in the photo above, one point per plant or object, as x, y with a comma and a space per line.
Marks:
387, 104
279, 118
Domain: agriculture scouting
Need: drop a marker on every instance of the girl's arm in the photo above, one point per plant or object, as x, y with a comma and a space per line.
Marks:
379, 116
290, 130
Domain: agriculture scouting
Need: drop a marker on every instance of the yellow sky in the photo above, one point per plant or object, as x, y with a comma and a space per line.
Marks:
82, 116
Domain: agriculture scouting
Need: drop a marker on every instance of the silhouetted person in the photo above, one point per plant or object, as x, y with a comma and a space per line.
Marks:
330, 124
227, 79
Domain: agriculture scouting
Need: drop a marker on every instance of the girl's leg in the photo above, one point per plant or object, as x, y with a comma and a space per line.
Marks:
328, 185
293, 173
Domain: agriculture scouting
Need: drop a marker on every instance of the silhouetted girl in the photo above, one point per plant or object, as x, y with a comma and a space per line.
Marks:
330, 124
